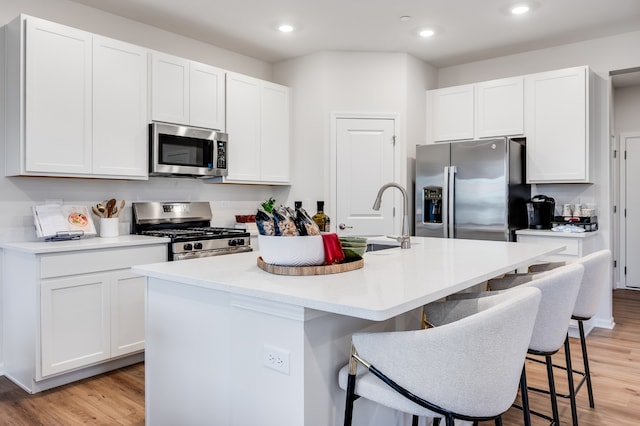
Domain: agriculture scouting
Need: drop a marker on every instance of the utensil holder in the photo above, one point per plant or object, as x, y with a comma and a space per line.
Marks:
109, 227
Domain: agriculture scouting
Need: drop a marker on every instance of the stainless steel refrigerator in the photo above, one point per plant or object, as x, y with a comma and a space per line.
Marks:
474, 190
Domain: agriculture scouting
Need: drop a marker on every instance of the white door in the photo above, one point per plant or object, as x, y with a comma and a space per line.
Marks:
365, 155
630, 208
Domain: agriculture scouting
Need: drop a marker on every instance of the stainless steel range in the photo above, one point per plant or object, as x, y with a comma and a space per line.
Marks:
188, 224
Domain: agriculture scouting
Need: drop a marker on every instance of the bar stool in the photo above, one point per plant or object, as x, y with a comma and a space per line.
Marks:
466, 369
595, 279
559, 289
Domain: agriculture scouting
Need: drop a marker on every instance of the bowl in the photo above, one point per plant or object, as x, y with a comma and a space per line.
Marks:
354, 253
292, 251
245, 218
354, 240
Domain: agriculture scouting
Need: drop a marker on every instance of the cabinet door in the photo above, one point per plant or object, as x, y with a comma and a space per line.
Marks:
556, 126
169, 88
206, 96
274, 133
127, 313
58, 99
74, 322
119, 109
243, 126
500, 107
451, 114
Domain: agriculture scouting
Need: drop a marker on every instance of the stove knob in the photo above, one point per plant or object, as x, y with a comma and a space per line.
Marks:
233, 243
197, 246
241, 241
187, 246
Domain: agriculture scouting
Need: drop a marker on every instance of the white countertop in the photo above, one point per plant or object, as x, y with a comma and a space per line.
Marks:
92, 243
392, 281
550, 233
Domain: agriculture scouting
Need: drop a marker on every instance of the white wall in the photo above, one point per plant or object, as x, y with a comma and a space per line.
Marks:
99, 22
349, 82
627, 109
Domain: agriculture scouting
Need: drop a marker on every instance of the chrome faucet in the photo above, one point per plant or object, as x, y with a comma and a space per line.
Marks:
404, 239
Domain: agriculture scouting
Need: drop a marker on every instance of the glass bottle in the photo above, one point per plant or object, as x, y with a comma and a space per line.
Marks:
321, 219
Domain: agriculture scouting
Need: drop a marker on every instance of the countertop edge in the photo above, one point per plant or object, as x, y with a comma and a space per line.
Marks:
549, 233
93, 243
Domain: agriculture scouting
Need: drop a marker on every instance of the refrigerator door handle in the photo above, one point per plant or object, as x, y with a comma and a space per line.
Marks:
451, 195
445, 203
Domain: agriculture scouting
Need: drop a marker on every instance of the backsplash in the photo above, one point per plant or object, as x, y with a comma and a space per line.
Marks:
19, 194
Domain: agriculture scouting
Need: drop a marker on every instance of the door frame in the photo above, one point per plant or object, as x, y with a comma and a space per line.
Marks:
399, 164
622, 228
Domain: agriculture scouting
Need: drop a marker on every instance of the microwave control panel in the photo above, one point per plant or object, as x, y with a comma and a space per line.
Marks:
221, 154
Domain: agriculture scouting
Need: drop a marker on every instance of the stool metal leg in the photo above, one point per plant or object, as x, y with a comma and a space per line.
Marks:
572, 390
585, 359
524, 395
552, 390
351, 388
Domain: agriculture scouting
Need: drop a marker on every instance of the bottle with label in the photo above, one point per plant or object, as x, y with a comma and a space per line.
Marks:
321, 219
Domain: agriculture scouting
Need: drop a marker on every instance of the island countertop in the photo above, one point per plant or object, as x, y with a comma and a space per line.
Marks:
392, 281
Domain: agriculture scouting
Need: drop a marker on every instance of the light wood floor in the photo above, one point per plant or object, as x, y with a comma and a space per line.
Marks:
117, 398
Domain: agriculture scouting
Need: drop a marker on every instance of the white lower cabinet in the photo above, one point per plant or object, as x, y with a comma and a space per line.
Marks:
69, 315
127, 319
74, 322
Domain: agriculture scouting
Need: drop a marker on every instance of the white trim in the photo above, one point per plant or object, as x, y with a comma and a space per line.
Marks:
622, 206
399, 164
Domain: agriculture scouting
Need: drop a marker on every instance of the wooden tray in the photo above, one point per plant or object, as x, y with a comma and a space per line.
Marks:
310, 270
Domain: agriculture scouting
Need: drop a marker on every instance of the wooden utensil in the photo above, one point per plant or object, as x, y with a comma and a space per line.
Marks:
96, 211
111, 204
119, 210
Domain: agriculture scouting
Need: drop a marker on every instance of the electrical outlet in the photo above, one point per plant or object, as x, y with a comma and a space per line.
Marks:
276, 358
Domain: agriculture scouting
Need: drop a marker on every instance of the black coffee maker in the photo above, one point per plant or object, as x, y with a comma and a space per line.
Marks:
540, 211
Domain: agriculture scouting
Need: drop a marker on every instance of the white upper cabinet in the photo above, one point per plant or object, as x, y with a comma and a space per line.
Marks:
58, 99
499, 108
187, 92
557, 123
274, 131
450, 113
76, 103
258, 127
474, 111
120, 105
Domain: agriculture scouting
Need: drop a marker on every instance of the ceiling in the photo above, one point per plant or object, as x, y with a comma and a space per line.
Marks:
465, 30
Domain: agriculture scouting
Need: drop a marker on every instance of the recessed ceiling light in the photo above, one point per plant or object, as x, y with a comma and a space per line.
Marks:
285, 28
426, 33
405, 18
519, 10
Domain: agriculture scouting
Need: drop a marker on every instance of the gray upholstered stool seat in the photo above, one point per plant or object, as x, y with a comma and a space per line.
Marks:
468, 368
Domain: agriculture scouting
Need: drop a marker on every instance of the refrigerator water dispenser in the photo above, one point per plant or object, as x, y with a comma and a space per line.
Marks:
432, 207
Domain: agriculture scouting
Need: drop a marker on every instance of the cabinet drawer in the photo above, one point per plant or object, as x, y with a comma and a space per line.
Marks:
572, 245
82, 262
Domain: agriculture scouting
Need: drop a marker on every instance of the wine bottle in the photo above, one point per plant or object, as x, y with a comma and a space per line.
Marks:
321, 219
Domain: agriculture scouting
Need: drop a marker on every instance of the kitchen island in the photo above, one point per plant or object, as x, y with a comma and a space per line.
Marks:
230, 344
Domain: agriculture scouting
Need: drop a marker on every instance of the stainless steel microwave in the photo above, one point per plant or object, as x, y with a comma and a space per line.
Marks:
176, 150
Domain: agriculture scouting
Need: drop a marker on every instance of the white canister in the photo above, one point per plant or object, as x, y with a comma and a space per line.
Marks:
109, 227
